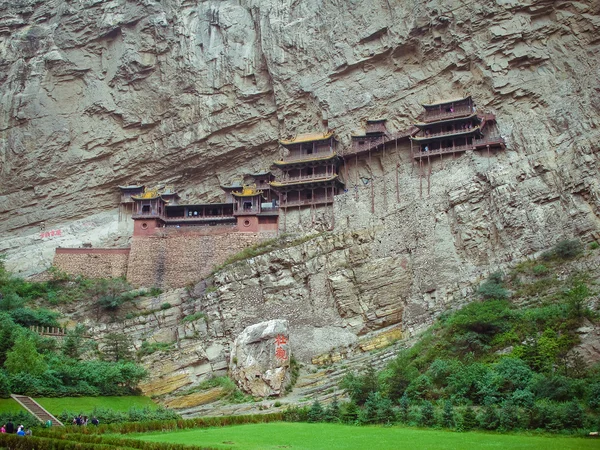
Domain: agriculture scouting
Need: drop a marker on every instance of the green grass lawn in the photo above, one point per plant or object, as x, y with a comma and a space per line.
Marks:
304, 436
8, 405
81, 404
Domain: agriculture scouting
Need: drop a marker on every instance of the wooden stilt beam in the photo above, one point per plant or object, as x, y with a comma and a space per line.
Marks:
420, 177
428, 176
397, 186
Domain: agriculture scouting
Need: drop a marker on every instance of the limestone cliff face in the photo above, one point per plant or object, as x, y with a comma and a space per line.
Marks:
97, 93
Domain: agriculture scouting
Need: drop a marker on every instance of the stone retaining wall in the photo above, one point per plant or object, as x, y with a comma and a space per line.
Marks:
92, 262
176, 257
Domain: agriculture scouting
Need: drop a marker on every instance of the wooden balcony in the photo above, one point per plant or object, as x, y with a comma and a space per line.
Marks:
492, 141
443, 151
273, 210
146, 216
307, 202
220, 217
460, 111
447, 133
305, 178
308, 157
478, 144
373, 143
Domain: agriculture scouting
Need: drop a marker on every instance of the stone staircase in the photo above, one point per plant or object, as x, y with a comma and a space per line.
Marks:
36, 410
314, 383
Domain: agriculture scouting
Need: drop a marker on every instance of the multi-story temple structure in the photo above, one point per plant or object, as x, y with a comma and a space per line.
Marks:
175, 242
309, 171
453, 126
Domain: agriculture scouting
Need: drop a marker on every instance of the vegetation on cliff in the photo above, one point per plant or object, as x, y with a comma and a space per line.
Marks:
34, 365
494, 364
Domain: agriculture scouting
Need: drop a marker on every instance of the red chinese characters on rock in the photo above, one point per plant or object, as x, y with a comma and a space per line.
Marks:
45, 234
280, 352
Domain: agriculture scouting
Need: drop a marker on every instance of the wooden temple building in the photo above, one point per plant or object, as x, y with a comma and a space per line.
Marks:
308, 171
453, 126
249, 207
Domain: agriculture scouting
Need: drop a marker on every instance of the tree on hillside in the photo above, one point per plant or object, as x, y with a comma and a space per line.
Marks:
24, 357
117, 347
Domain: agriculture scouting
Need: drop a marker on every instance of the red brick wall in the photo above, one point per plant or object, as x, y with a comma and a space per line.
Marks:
92, 262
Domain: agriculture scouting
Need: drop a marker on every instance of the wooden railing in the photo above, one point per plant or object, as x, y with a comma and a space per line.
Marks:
195, 218
448, 133
489, 140
49, 331
315, 177
458, 112
442, 151
316, 155
314, 201
374, 143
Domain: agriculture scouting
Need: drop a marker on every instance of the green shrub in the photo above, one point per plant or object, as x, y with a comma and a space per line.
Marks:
427, 414
377, 409
488, 420
469, 419
540, 270
404, 409
493, 287
513, 374
420, 388
165, 305
448, 415
509, 417
155, 292
573, 415
349, 412
567, 249
297, 414
4, 385
359, 387
147, 348
24, 357
332, 412
316, 412
398, 376
523, 398
594, 245
594, 396
194, 317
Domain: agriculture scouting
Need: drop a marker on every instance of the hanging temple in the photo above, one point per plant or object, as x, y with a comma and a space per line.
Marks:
312, 173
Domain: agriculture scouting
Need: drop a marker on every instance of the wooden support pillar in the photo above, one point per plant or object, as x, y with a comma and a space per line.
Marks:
372, 193
428, 176
420, 177
356, 177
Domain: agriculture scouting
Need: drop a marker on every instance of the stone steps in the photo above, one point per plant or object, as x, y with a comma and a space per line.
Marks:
36, 410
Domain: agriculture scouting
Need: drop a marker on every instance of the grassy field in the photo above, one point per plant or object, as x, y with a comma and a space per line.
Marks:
83, 404
304, 436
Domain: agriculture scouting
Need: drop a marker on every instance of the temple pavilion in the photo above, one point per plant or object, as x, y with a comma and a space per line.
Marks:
308, 171
453, 126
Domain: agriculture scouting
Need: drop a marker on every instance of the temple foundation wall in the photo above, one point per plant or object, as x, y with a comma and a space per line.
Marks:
92, 262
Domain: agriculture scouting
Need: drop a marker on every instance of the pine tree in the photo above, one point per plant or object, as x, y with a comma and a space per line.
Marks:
404, 409
448, 414
427, 414
469, 419
316, 413
117, 347
24, 357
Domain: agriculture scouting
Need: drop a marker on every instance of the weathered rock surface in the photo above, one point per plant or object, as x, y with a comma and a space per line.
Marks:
100, 93
260, 358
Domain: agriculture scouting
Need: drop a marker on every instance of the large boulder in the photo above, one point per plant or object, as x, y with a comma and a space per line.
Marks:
260, 358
